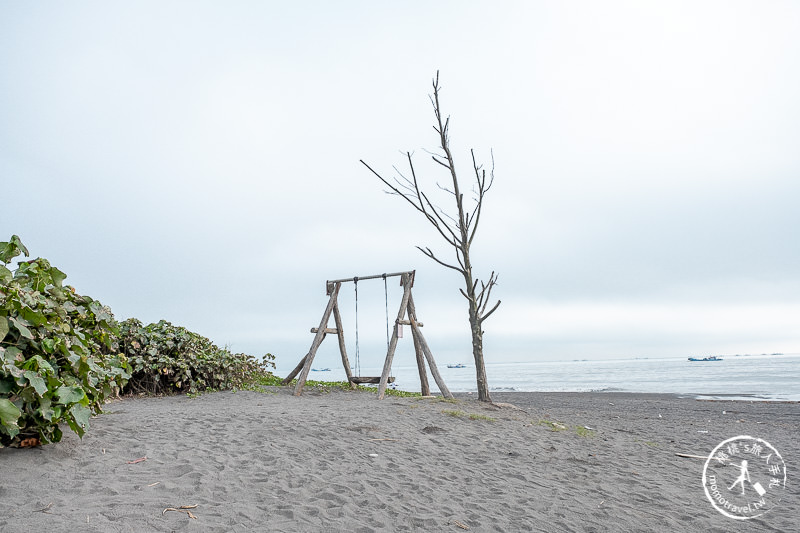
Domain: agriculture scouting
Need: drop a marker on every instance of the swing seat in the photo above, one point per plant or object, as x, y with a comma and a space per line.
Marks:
358, 380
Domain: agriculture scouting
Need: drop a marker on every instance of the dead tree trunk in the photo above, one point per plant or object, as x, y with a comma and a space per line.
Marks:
458, 229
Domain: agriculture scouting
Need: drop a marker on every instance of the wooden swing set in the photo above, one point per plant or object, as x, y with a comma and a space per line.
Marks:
421, 347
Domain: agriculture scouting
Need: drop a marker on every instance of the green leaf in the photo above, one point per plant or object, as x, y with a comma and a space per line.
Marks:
67, 395
5, 274
46, 409
18, 243
49, 345
23, 331
36, 382
37, 362
3, 327
34, 317
9, 413
57, 275
80, 419
81, 414
10, 250
11, 354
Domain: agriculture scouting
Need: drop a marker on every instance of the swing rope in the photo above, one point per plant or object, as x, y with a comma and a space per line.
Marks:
358, 359
386, 303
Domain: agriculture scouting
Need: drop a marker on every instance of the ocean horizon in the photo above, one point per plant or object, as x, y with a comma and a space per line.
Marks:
774, 377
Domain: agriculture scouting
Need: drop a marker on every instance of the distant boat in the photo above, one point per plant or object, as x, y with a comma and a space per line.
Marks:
709, 358
320, 369
457, 365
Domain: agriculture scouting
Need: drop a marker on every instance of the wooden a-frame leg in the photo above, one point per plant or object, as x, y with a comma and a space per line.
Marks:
431, 363
423, 374
337, 317
288, 379
323, 325
387, 365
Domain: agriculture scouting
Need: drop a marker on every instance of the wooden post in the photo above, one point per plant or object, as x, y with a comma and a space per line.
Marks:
387, 364
423, 374
323, 325
337, 317
327, 330
431, 363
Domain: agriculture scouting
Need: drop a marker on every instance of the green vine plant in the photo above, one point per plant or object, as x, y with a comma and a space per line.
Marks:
58, 352
167, 359
63, 355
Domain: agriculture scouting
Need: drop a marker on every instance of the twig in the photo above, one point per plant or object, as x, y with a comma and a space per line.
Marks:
690, 456
462, 525
380, 440
45, 510
181, 509
139, 460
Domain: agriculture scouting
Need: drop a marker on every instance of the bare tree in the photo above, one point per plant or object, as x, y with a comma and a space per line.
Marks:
457, 229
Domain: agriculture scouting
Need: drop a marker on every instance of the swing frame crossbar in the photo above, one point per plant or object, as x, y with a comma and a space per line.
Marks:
421, 348
330, 283
376, 276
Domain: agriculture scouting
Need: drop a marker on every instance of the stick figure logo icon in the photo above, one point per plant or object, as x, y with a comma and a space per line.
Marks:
744, 477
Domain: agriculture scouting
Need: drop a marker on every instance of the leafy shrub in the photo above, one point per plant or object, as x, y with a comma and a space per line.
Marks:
62, 354
58, 352
167, 359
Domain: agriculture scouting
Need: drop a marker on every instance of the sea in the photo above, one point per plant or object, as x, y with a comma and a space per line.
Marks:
773, 377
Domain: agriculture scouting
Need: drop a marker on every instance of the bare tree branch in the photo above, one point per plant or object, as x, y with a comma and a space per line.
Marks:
486, 291
445, 189
487, 315
419, 204
452, 239
392, 187
440, 162
429, 253
480, 177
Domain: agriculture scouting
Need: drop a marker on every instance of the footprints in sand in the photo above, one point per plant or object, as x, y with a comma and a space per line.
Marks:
290, 464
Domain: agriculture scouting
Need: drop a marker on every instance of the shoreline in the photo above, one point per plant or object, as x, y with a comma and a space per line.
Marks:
703, 397
345, 461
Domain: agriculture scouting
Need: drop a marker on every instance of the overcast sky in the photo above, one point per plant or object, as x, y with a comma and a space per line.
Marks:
199, 162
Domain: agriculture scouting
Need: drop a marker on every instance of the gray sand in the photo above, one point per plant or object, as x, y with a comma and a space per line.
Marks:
344, 461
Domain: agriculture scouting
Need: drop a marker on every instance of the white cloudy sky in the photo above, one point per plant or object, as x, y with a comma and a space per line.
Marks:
199, 162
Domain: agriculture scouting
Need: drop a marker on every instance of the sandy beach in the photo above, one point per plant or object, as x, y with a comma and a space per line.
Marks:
344, 461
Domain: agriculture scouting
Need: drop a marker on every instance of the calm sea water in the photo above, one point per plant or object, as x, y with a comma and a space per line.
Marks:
773, 377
